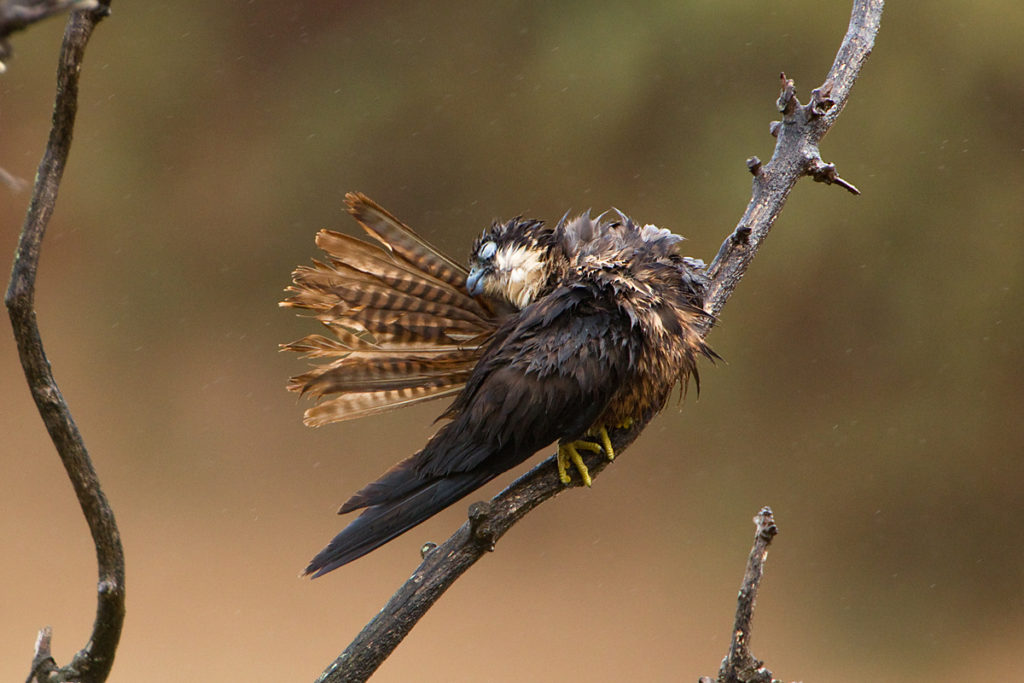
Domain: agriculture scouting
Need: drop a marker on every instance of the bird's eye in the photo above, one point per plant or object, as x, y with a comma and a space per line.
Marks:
487, 250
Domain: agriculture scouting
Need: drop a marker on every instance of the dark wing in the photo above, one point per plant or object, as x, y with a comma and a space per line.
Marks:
547, 375
405, 329
380, 523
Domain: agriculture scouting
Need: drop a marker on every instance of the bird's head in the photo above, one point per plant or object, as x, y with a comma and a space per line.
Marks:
511, 262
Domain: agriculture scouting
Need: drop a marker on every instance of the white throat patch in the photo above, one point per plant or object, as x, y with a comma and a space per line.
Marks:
519, 274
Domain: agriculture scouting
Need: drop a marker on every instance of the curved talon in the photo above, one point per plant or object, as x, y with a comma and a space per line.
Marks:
568, 452
606, 442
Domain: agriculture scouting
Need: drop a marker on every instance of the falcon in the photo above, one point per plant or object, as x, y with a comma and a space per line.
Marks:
553, 334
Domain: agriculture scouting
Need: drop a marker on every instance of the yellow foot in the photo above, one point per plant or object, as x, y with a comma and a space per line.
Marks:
606, 442
569, 453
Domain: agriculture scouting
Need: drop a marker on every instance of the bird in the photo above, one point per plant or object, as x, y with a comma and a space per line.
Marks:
552, 334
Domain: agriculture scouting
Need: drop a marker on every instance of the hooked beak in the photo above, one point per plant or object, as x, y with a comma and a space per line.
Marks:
474, 282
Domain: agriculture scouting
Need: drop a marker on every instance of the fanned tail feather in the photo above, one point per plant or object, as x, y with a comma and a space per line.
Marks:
363, 404
372, 385
400, 238
405, 329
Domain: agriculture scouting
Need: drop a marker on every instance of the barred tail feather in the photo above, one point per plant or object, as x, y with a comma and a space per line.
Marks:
404, 327
400, 239
352, 405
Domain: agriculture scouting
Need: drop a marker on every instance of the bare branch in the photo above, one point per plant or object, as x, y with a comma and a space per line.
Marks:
93, 662
796, 151
43, 659
740, 666
796, 155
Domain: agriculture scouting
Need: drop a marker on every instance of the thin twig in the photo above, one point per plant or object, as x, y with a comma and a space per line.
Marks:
93, 662
740, 666
796, 154
796, 151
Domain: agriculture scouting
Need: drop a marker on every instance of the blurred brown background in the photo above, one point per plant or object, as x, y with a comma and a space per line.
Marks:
871, 391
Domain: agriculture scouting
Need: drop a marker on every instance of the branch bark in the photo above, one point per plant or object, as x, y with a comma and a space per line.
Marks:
796, 155
93, 662
740, 666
